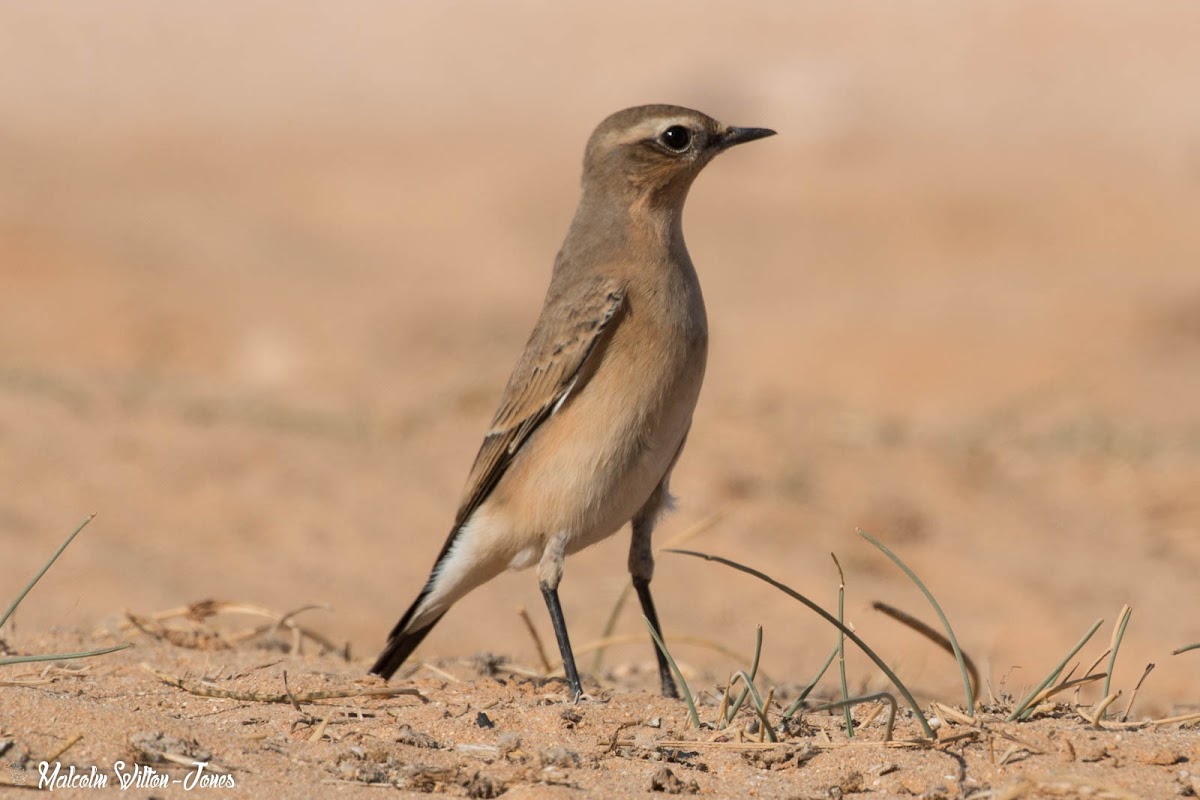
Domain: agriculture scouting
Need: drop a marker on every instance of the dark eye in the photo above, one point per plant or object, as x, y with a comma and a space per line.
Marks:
676, 138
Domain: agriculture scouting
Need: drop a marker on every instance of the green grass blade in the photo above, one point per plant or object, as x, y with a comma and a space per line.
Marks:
795, 706
870, 698
757, 653
759, 708
63, 656
1118, 635
753, 674
687, 692
851, 635
1185, 648
42, 571
958, 655
1023, 709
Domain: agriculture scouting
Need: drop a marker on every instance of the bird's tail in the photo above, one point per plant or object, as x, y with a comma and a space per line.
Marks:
459, 568
401, 642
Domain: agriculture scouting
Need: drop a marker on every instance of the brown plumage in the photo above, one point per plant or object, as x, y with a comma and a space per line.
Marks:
598, 407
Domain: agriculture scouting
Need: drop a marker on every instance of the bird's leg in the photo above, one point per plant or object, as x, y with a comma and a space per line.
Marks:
641, 568
550, 570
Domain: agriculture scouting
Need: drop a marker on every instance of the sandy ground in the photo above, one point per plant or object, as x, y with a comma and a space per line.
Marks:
475, 728
264, 270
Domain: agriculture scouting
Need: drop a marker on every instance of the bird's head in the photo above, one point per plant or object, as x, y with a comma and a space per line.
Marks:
656, 151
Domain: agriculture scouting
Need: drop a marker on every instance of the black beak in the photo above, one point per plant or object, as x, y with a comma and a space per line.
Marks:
733, 136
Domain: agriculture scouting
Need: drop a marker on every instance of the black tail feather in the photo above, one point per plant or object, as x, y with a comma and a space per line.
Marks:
401, 643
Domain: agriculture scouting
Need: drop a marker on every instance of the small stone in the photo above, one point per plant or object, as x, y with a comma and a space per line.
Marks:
406, 735
1161, 758
484, 787
664, 780
482, 720
508, 743
559, 757
1092, 751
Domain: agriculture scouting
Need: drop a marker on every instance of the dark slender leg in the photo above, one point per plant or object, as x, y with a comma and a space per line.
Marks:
642, 585
564, 644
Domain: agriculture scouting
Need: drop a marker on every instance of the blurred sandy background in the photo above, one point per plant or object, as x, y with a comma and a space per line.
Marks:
265, 266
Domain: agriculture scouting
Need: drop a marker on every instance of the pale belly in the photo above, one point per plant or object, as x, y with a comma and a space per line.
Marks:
594, 465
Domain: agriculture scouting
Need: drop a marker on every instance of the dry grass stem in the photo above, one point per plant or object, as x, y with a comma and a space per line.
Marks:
66, 746
537, 639
1061, 786
205, 690
930, 633
198, 636
1137, 688
1102, 708
870, 698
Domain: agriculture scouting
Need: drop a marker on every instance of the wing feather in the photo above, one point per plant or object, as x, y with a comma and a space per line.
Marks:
573, 325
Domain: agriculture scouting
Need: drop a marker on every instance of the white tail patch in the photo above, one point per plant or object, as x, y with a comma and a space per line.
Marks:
473, 559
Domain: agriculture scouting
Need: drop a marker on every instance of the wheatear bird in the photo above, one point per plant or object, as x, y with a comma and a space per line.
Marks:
597, 410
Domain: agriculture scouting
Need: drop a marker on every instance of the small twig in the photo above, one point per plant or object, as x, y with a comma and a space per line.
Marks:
870, 698
948, 713
286, 619
70, 743
249, 670
537, 640
722, 720
441, 673
320, 729
1050, 691
1136, 689
849, 717
288, 693
1102, 708
204, 609
1090, 670
1172, 720
930, 633
679, 744
766, 707
202, 690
